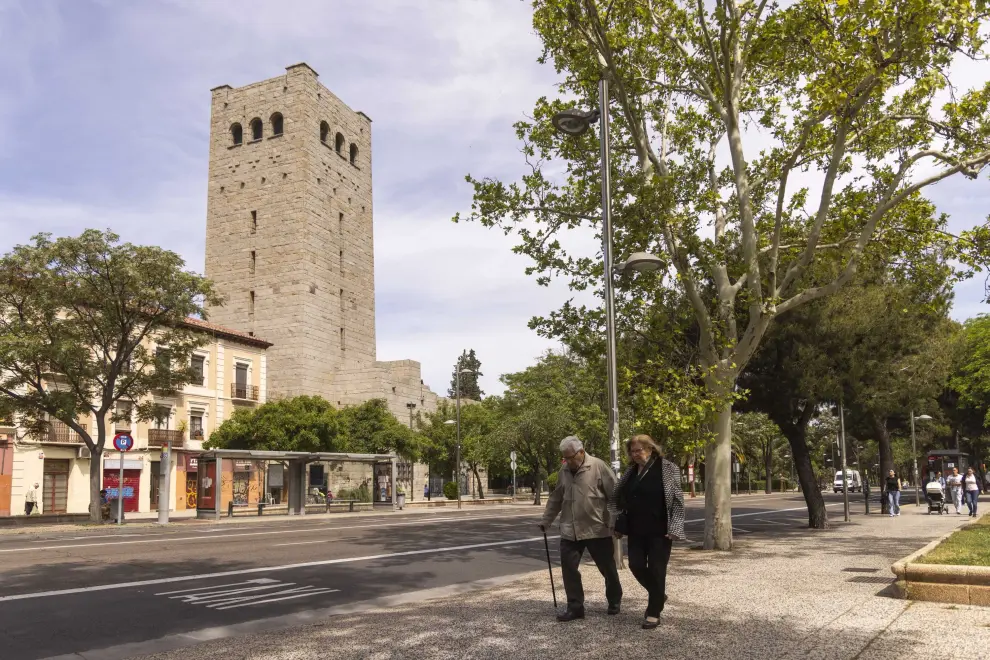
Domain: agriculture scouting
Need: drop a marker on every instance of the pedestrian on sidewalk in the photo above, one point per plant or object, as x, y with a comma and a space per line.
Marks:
31, 500
584, 487
893, 488
648, 507
955, 483
971, 485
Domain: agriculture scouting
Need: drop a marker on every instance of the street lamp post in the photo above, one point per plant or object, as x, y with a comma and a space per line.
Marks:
842, 452
575, 122
914, 457
412, 472
457, 450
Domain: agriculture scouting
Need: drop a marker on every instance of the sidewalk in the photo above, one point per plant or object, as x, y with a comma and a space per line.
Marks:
820, 595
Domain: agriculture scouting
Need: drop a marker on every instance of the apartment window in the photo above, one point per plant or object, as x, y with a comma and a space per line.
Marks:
254, 261
199, 370
163, 358
196, 425
122, 422
161, 416
241, 381
254, 222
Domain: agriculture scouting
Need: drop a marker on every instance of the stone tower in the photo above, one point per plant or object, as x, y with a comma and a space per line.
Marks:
290, 240
289, 237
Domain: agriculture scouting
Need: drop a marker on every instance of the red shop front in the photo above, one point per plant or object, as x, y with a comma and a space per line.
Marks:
132, 482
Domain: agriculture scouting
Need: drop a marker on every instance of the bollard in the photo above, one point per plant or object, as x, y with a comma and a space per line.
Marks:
866, 495
261, 508
230, 510
351, 506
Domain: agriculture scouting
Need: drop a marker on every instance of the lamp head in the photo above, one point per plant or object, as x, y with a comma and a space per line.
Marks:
574, 122
642, 262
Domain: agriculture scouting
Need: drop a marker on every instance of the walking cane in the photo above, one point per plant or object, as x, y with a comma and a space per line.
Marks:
553, 589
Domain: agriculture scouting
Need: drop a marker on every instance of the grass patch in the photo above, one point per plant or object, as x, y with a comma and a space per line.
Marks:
969, 546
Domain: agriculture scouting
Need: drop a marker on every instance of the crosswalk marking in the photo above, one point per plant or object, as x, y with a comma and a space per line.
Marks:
244, 594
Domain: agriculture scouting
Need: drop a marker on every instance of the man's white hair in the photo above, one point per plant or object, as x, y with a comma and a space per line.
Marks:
571, 442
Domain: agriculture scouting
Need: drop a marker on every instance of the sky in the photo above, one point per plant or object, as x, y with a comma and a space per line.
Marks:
104, 123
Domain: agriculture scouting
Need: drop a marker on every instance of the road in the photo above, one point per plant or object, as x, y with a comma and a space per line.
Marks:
70, 592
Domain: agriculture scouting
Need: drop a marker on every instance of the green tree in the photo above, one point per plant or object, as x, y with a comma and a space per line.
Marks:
758, 437
78, 317
470, 367
749, 140
301, 423
372, 429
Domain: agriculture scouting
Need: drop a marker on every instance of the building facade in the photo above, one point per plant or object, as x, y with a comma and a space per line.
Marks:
232, 369
290, 240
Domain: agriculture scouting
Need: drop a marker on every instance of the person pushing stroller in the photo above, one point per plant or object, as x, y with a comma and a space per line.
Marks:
935, 494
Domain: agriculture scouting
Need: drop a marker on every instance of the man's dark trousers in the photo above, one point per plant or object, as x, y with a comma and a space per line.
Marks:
570, 563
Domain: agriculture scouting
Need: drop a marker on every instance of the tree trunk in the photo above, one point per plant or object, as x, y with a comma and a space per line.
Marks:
718, 484
883, 440
536, 489
768, 467
95, 486
796, 437
477, 478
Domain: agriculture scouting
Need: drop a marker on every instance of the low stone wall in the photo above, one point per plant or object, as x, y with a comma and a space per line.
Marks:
45, 519
941, 583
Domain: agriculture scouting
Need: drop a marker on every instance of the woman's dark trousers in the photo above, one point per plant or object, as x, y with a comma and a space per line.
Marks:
648, 557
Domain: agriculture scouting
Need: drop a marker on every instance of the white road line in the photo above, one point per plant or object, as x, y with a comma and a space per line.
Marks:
224, 595
323, 530
331, 540
268, 569
760, 513
272, 600
219, 586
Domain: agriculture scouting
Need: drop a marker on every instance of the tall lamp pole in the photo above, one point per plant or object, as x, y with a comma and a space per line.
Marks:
457, 450
842, 452
575, 122
914, 457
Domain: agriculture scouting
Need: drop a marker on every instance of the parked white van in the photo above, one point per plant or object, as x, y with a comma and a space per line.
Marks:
853, 481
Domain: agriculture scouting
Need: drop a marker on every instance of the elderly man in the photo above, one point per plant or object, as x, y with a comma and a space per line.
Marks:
584, 486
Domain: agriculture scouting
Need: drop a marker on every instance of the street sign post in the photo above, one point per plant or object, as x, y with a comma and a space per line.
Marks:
512, 463
122, 442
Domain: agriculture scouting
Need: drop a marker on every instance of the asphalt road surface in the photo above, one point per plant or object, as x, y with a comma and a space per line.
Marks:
70, 592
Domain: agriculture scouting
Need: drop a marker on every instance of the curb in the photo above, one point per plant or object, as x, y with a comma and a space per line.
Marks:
942, 583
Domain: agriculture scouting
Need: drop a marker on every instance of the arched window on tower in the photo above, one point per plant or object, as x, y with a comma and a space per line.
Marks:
324, 131
277, 123
256, 128
354, 154
236, 134
338, 143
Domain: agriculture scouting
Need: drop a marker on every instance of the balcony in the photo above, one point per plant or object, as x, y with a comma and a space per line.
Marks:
59, 433
196, 434
243, 392
158, 437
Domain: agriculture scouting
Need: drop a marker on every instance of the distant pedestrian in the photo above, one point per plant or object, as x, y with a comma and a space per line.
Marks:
426, 491
955, 483
329, 498
940, 479
893, 488
971, 487
584, 486
31, 500
648, 505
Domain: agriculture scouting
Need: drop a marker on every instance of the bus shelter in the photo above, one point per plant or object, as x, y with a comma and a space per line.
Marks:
943, 460
215, 492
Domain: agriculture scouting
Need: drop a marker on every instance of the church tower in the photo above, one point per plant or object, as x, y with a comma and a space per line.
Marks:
289, 232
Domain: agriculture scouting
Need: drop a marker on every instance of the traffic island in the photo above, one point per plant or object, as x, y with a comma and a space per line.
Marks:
953, 569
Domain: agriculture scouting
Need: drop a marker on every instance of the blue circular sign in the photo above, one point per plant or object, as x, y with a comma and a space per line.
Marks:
123, 442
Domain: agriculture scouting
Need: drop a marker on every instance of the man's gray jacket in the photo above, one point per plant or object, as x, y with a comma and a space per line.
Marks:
581, 499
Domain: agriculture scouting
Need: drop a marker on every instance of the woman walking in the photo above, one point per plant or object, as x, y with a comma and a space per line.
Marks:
893, 488
955, 483
971, 484
648, 507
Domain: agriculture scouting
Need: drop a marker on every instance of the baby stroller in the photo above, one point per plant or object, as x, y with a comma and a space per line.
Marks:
936, 498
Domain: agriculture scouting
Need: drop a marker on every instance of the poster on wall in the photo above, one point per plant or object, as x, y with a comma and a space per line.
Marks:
208, 485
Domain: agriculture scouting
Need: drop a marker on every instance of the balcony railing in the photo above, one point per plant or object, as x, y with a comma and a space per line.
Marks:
158, 437
244, 392
196, 434
59, 433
